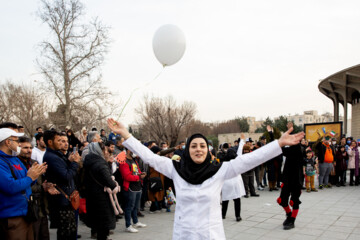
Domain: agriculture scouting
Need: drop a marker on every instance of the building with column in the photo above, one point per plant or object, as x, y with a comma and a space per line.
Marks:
343, 88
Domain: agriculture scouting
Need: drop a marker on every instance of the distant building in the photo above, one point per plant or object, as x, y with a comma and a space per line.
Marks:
311, 116
253, 124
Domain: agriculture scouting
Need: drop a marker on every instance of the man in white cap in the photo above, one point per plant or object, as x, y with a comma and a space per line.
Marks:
15, 187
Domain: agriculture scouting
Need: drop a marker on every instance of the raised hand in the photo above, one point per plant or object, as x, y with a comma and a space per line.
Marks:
269, 128
242, 136
287, 139
117, 127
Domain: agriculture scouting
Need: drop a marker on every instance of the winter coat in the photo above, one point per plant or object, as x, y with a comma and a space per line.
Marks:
13, 203
99, 211
38, 192
341, 161
61, 172
198, 212
113, 136
73, 141
293, 167
158, 195
127, 174
321, 149
351, 163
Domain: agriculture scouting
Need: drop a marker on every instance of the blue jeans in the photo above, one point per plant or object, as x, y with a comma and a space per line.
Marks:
132, 204
324, 172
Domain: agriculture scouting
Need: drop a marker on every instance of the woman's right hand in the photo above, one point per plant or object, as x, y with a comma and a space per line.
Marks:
118, 128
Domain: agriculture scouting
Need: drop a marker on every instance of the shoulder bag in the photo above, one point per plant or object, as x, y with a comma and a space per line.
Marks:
74, 198
156, 184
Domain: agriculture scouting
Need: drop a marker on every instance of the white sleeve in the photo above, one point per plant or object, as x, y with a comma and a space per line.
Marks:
113, 167
240, 148
163, 165
244, 163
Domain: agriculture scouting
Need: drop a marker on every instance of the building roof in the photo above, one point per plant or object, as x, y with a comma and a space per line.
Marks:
343, 84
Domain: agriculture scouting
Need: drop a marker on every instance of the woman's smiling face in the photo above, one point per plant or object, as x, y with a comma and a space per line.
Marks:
198, 150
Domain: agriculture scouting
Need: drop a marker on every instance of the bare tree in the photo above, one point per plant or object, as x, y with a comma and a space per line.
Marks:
162, 120
70, 60
195, 126
230, 126
24, 105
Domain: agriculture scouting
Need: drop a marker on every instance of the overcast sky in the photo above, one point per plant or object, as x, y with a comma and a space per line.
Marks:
243, 58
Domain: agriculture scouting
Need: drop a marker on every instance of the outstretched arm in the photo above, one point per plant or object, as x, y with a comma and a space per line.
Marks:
163, 165
241, 144
248, 161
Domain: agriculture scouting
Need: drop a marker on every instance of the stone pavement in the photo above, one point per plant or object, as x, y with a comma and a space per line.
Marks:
327, 214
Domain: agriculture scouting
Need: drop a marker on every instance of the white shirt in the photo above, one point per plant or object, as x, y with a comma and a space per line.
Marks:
234, 188
198, 212
37, 155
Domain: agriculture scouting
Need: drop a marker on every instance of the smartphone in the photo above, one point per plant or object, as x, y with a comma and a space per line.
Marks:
75, 150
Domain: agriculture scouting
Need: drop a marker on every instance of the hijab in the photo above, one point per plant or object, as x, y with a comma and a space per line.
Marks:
95, 148
192, 172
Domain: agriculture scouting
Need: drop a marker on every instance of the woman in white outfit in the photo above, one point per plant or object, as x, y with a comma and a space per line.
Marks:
198, 181
233, 189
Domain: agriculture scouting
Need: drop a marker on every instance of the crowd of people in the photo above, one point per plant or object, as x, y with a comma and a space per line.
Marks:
58, 177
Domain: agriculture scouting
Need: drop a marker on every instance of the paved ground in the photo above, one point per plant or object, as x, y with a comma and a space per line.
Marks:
327, 214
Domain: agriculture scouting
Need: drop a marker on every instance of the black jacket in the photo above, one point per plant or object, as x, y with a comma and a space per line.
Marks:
100, 213
61, 172
293, 167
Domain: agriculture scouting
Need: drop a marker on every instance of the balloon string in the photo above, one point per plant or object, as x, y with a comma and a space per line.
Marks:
133, 91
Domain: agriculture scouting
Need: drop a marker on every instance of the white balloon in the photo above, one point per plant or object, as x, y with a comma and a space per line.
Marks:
169, 44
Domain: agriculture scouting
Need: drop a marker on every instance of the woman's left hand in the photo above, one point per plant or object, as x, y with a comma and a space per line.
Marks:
287, 139
118, 128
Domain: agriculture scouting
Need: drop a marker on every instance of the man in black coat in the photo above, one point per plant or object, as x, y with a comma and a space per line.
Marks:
61, 172
291, 183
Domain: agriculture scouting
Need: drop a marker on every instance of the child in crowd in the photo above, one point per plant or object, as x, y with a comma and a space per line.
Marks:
310, 169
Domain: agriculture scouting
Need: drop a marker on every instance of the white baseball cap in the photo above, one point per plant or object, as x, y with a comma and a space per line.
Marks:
7, 132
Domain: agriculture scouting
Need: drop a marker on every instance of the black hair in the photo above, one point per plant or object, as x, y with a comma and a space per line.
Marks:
181, 142
38, 128
50, 135
62, 134
20, 127
39, 136
24, 140
109, 143
94, 129
225, 145
8, 125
